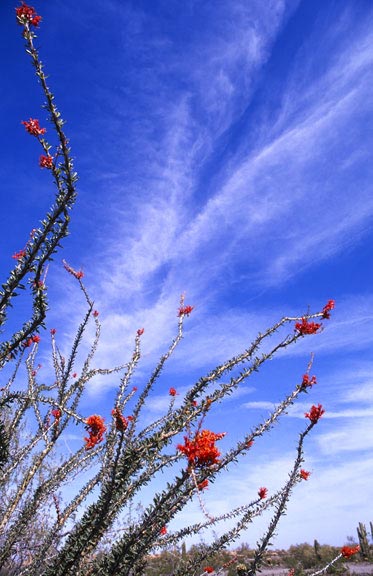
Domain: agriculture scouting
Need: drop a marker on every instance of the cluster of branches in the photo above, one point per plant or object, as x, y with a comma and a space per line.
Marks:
116, 467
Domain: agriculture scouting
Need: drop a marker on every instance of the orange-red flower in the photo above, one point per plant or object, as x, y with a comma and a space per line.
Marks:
201, 450
315, 413
32, 126
19, 255
56, 413
348, 551
306, 327
96, 429
172, 392
34, 339
308, 382
304, 474
46, 161
326, 310
27, 15
163, 531
121, 423
185, 310
79, 274
262, 493
209, 569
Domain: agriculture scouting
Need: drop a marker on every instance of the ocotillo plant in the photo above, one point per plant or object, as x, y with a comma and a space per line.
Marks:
31, 260
117, 459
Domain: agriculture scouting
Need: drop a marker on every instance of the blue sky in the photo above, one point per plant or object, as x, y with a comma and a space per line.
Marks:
224, 151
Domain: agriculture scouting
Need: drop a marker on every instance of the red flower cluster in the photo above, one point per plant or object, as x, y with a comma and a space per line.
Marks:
172, 392
185, 310
35, 339
121, 422
27, 15
348, 551
46, 162
209, 569
53, 331
315, 413
262, 493
163, 531
32, 126
201, 451
308, 382
19, 255
140, 331
79, 274
326, 310
304, 474
96, 314
306, 327
56, 413
96, 428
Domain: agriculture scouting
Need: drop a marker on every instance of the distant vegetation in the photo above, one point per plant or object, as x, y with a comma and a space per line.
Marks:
299, 557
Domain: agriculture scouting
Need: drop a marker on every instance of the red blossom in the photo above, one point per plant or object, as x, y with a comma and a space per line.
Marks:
163, 531
348, 551
39, 285
19, 255
315, 413
304, 474
53, 331
306, 327
121, 423
130, 418
140, 331
262, 493
74, 375
32, 126
56, 413
185, 310
209, 569
134, 389
249, 443
79, 274
46, 162
34, 339
202, 485
172, 392
27, 15
201, 450
308, 382
326, 310
96, 428
96, 313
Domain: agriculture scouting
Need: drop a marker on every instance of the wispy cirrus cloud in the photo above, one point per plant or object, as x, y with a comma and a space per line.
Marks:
175, 241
